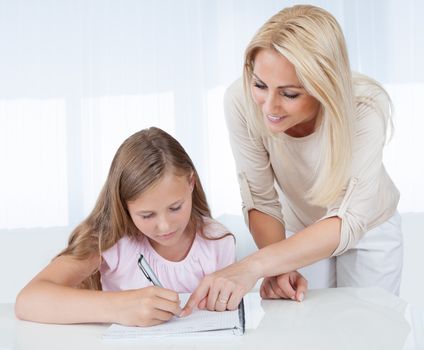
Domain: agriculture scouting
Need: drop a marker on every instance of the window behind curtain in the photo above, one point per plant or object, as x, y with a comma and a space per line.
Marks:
79, 77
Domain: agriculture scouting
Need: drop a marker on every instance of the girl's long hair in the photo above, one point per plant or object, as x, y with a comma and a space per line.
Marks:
142, 160
312, 40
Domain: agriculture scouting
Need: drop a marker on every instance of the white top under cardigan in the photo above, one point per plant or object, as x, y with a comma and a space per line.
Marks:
262, 161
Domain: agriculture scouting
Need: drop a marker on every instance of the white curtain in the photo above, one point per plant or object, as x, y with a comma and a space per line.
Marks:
78, 77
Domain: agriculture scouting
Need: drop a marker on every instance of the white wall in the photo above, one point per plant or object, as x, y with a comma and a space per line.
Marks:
412, 287
23, 253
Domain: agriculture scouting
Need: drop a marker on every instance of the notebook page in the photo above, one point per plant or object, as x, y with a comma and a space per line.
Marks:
198, 321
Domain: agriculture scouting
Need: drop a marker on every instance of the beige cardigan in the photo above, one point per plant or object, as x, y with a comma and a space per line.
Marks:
275, 173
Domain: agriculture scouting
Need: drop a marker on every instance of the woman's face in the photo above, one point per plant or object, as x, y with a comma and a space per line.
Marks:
285, 104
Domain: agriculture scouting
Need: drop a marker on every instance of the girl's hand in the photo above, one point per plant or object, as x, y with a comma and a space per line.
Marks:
291, 285
223, 289
147, 306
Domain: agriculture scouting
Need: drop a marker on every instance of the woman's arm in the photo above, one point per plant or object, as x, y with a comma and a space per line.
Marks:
265, 229
312, 244
52, 297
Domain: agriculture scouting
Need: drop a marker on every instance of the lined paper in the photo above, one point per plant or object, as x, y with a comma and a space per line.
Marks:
200, 321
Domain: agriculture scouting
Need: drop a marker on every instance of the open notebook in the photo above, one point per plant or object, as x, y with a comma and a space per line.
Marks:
199, 323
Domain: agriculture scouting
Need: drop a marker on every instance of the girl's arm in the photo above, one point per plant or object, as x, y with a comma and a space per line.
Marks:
312, 244
52, 297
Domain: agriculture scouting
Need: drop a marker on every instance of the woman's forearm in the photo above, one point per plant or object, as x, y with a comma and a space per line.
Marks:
310, 245
265, 229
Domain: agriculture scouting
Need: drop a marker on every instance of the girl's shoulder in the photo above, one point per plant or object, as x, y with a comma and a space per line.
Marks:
214, 239
123, 251
215, 243
213, 229
128, 243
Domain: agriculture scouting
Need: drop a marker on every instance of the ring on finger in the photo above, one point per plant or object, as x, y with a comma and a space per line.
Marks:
222, 301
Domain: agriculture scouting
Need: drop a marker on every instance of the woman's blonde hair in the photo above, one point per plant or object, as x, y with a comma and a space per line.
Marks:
142, 160
312, 40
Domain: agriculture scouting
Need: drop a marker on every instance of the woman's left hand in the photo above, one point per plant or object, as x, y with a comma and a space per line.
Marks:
223, 289
291, 285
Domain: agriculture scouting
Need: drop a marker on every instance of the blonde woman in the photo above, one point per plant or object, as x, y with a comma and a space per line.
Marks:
307, 136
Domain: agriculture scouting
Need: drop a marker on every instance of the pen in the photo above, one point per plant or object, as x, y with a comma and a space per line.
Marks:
147, 271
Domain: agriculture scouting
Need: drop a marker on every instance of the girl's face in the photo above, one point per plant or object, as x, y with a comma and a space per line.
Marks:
285, 104
162, 214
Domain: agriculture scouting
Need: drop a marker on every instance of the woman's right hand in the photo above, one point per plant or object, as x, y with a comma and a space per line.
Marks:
223, 290
291, 285
147, 306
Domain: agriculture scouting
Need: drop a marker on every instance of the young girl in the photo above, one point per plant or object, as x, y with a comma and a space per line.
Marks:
152, 204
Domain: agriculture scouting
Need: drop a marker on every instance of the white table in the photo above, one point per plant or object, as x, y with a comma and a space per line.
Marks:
344, 318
